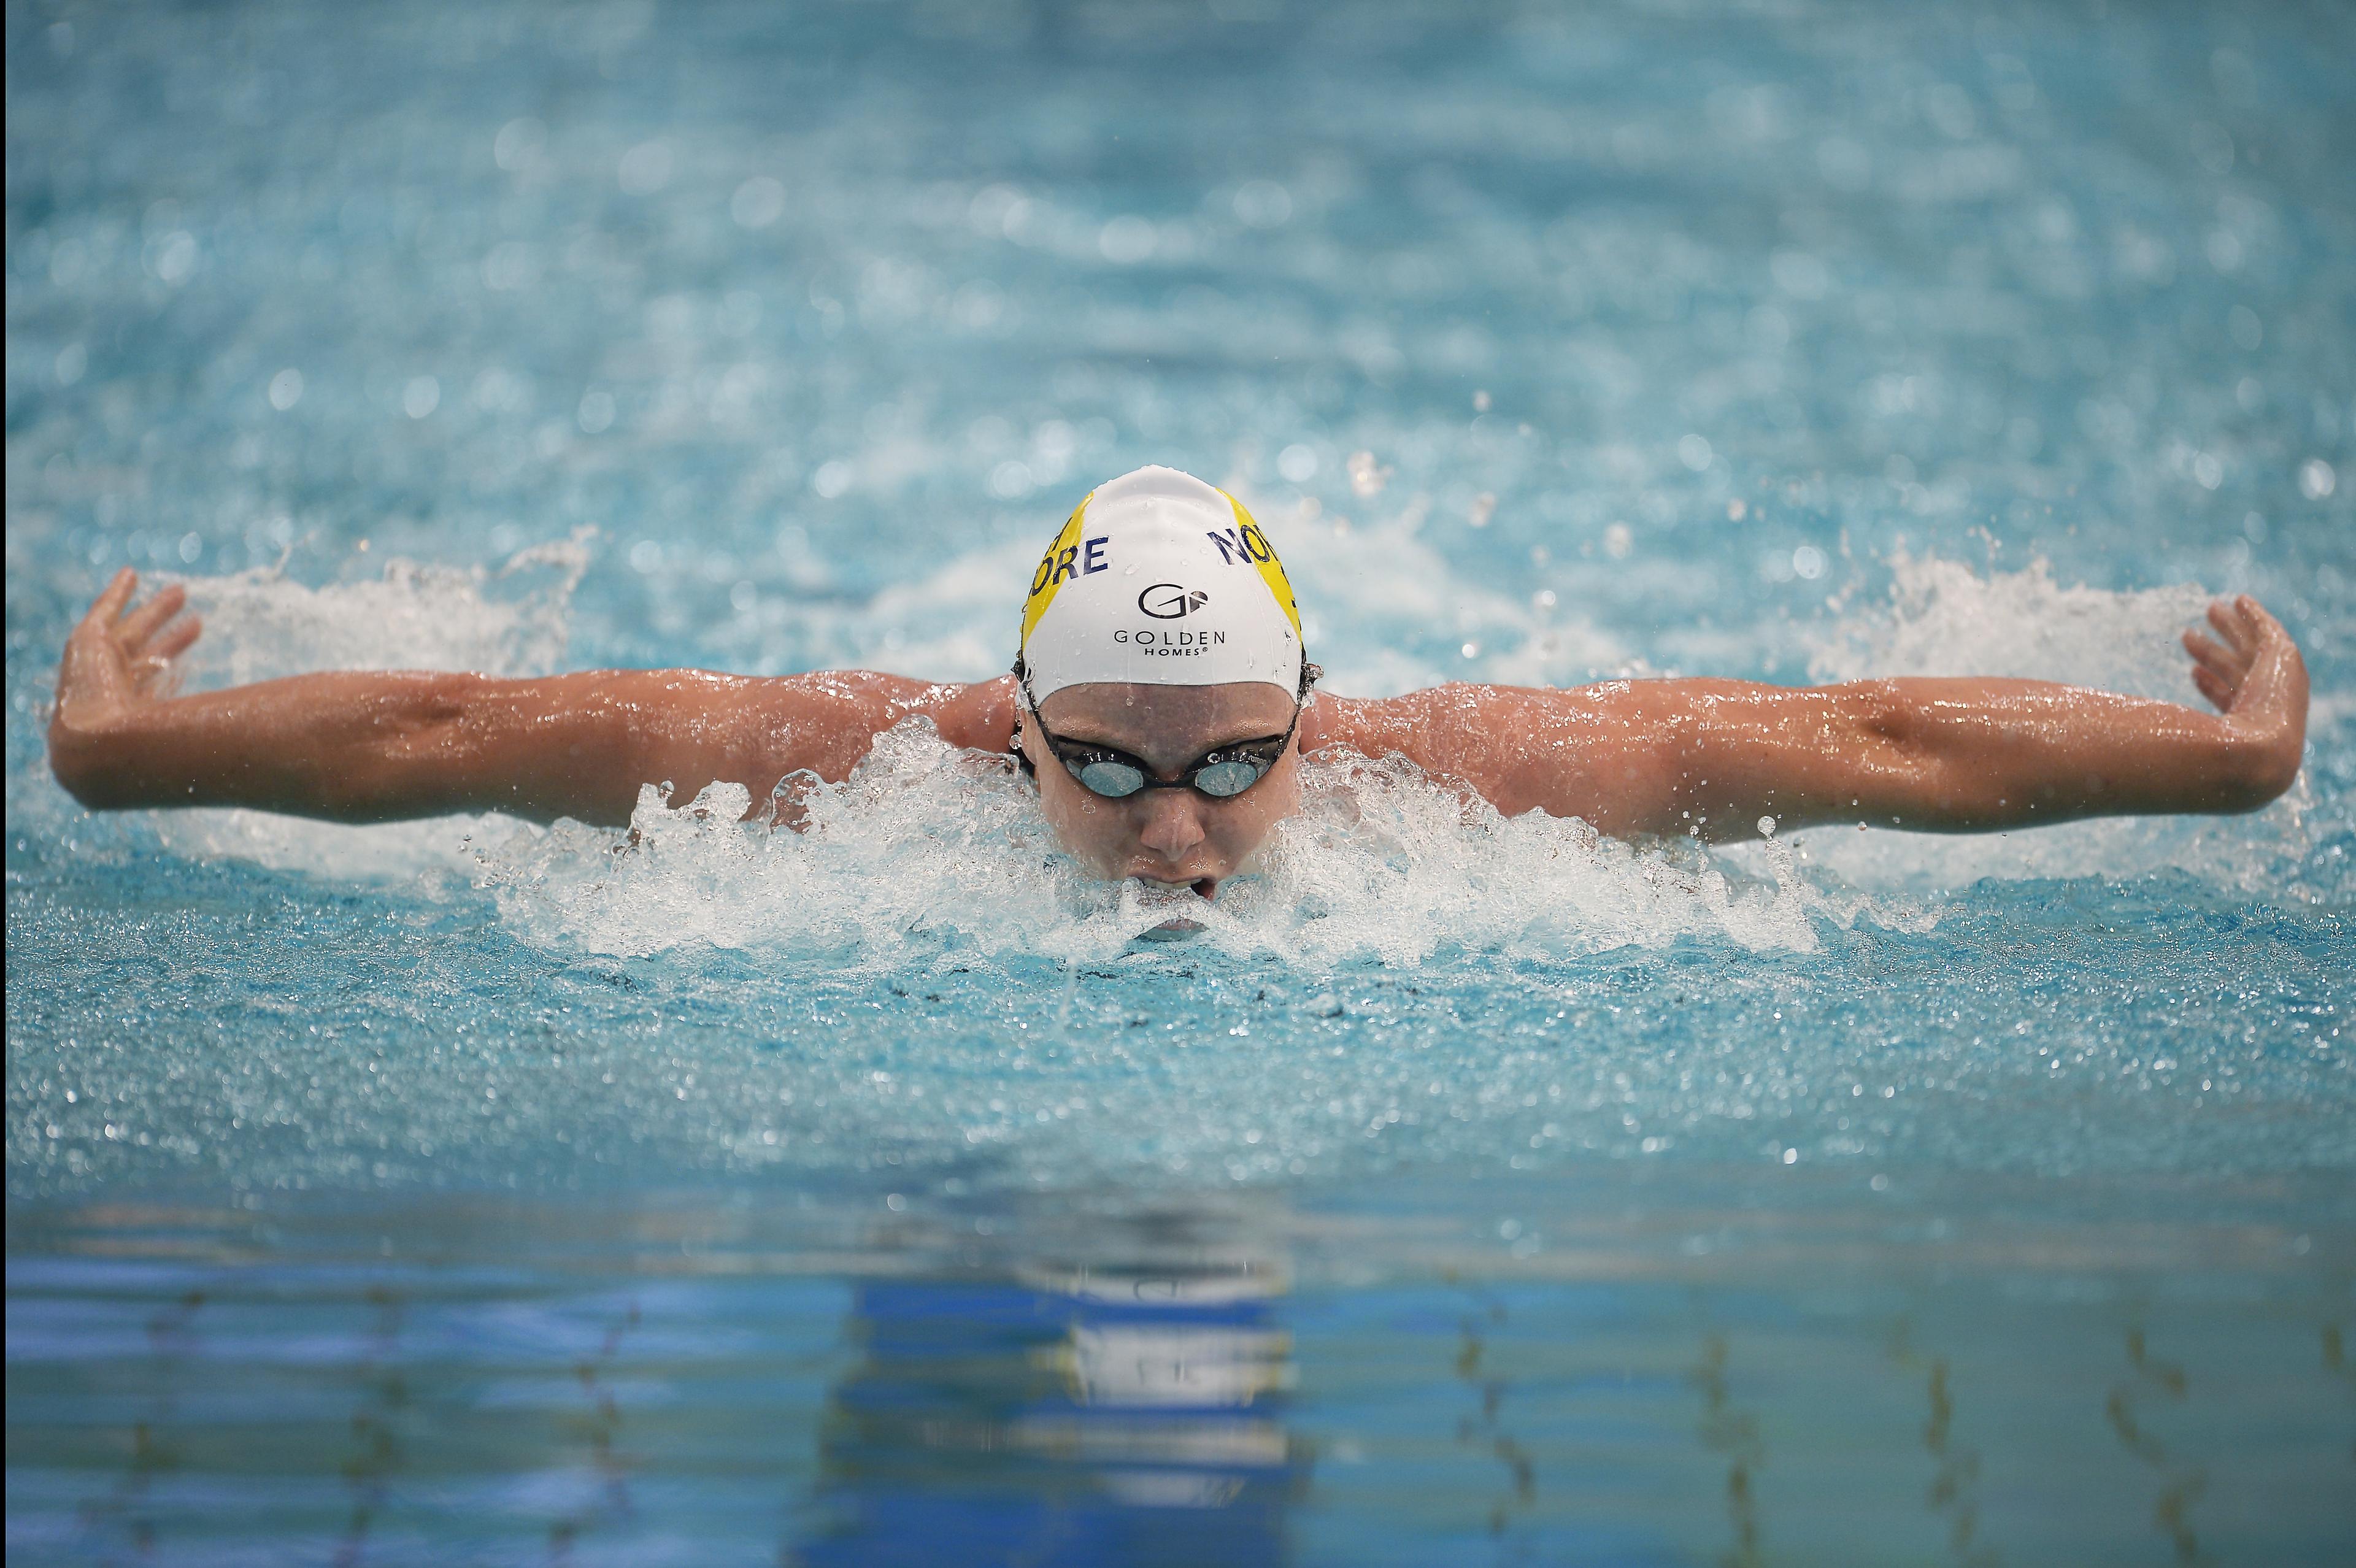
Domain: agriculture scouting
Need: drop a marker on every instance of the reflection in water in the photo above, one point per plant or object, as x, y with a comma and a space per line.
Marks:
2181, 1484
1733, 1432
1488, 1431
1957, 1472
173, 1341
612, 1499
1042, 1413
2336, 1363
1122, 1392
377, 1452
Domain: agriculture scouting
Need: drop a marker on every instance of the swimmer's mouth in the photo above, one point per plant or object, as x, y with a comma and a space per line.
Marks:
1173, 925
1202, 887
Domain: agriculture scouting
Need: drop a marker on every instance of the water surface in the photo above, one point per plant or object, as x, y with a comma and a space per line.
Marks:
1468, 1191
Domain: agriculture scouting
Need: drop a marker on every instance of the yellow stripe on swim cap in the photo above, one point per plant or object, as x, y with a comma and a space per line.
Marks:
1263, 555
1046, 579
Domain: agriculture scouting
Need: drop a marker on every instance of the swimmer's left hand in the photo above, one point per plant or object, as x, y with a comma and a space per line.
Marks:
1721, 759
2252, 672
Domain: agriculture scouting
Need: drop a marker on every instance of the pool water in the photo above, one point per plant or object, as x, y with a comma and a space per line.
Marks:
1466, 1191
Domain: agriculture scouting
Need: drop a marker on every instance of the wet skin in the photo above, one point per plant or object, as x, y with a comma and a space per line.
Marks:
1713, 759
1170, 836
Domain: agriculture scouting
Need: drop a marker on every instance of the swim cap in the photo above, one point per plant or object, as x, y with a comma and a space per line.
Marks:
1164, 581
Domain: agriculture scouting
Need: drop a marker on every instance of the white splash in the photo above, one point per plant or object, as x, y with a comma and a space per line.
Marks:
927, 852
1943, 618
922, 839
262, 624
512, 621
1381, 588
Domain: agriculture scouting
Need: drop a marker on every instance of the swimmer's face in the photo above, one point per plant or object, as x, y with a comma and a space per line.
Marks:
1164, 835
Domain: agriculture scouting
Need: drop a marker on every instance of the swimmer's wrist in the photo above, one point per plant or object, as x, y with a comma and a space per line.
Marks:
2259, 764
88, 755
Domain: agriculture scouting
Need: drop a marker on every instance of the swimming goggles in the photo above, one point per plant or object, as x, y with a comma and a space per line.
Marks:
1221, 772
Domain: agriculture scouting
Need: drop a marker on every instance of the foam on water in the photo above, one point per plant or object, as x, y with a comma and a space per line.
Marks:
1941, 617
1385, 593
262, 623
511, 622
929, 853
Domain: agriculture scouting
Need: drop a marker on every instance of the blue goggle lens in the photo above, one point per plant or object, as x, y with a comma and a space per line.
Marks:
1118, 781
1224, 779
1112, 780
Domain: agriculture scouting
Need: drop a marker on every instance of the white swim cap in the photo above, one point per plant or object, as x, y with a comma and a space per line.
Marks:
1160, 580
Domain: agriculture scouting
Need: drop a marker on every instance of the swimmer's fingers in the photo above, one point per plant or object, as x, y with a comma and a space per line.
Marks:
175, 639
2227, 664
94, 677
2256, 675
107, 608
2277, 674
2236, 625
2265, 631
154, 670
140, 625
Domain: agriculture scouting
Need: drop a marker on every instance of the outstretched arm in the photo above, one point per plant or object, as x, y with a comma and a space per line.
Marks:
1943, 755
376, 746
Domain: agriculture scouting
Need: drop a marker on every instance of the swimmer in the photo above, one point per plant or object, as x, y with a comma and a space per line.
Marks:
1163, 702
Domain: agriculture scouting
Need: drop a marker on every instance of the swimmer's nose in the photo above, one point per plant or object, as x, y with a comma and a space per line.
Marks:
1171, 827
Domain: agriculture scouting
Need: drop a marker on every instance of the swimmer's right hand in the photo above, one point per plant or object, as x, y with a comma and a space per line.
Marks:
118, 661
382, 745
2252, 671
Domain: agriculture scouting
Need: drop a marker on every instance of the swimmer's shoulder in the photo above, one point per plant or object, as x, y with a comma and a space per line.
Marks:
977, 715
851, 708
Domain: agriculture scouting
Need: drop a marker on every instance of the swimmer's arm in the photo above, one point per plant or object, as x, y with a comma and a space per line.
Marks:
1954, 755
380, 746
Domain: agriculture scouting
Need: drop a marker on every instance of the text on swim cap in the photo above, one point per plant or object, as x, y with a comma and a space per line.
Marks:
1241, 547
1169, 601
1167, 644
1058, 566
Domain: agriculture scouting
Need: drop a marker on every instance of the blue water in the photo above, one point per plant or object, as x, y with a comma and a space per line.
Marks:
1469, 1191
